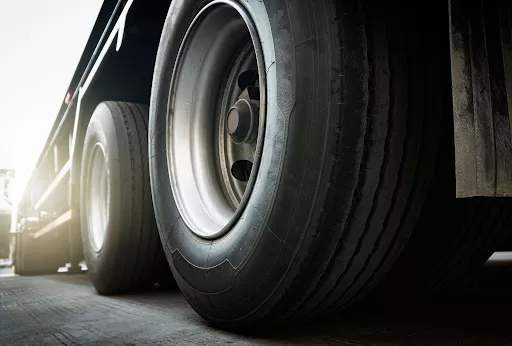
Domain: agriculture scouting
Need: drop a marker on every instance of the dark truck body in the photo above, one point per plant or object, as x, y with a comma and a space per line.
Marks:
118, 60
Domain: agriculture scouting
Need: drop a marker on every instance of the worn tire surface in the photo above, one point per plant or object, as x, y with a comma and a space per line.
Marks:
131, 257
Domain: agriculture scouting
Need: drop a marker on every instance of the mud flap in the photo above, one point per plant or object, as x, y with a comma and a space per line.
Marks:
481, 55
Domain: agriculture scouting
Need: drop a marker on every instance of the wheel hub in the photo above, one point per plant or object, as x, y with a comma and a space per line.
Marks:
98, 197
241, 122
214, 138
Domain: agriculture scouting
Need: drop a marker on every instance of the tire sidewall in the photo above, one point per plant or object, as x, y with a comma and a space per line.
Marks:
243, 268
102, 129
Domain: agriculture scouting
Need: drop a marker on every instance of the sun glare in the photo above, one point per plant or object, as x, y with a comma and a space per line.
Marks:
42, 42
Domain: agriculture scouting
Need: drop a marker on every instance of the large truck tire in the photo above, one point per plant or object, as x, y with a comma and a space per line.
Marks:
453, 237
121, 245
291, 148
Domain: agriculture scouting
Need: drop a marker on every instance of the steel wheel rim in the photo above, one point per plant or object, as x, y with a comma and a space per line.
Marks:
213, 166
98, 197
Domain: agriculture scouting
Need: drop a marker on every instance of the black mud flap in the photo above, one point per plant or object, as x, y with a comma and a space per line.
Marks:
481, 54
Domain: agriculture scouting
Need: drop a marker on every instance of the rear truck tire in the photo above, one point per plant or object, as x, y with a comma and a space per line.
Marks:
292, 144
121, 245
453, 238
41, 256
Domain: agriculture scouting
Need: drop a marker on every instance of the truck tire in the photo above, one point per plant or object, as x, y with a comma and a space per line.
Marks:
121, 246
453, 237
41, 256
291, 146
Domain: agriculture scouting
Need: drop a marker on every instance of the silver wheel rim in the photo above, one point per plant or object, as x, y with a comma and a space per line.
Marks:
216, 118
98, 197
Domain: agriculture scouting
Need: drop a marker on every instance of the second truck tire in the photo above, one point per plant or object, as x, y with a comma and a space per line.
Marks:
121, 244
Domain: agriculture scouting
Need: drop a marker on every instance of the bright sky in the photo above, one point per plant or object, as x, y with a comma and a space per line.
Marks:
40, 45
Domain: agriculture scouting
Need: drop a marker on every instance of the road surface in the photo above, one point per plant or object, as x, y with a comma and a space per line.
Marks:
65, 310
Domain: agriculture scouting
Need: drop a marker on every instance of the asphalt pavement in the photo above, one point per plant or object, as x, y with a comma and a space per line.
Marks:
65, 310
